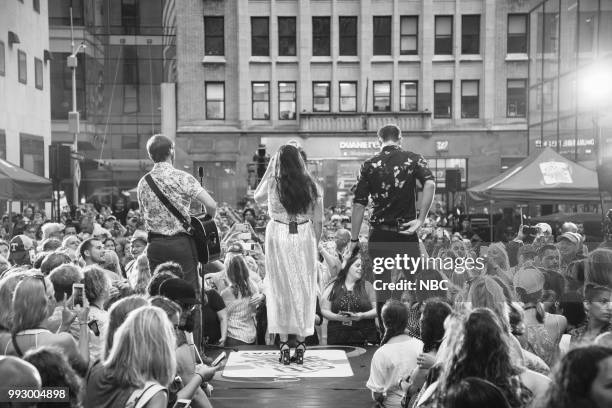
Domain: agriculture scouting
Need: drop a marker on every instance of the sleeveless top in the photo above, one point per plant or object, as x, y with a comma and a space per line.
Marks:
9, 349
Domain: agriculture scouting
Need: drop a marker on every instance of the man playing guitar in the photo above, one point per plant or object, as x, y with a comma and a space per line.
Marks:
168, 239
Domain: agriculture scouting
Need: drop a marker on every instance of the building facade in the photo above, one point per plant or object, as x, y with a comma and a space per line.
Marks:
452, 74
25, 121
128, 58
570, 78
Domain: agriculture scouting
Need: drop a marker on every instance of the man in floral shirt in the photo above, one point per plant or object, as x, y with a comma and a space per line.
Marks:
389, 179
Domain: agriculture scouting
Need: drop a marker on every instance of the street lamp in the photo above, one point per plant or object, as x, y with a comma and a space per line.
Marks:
73, 119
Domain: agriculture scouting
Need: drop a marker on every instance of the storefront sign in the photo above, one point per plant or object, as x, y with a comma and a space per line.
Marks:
565, 143
359, 145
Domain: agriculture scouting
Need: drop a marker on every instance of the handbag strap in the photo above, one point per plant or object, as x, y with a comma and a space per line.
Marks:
167, 203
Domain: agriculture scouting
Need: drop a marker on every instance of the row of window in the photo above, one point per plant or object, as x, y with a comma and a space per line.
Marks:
214, 43
22, 67
516, 97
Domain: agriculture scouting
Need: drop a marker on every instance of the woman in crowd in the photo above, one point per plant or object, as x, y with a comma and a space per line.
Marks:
498, 263
598, 308
582, 379
239, 306
70, 245
97, 289
33, 302
349, 304
473, 392
55, 371
143, 356
295, 206
192, 375
396, 357
7, 288
116, 316
113, 265
482, 351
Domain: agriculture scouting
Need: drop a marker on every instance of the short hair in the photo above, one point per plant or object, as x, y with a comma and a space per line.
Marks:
62, 278
156, 281
96, 282
170, 266
528, 252
86, 245
389, 132
547, 247
53, 260
158, 147
248, 210
51, 228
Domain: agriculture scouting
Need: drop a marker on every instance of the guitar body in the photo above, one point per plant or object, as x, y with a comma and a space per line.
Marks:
206, 235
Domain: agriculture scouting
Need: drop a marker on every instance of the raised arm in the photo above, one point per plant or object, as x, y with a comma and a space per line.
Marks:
261, 192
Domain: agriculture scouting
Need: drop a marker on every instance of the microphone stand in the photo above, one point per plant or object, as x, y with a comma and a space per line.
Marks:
201, 174
202, 293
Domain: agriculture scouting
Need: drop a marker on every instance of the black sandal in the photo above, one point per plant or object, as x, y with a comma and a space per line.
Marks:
298, 356
285, 353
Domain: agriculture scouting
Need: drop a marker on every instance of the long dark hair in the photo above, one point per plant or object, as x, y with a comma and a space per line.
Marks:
432, 323
296, 189
238, 274
358, 289
573, 377
475, 392
395, 319
485, 354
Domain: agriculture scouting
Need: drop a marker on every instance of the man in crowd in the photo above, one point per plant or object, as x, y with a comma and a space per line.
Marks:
547, 261
92, 251
22, 249
569, 247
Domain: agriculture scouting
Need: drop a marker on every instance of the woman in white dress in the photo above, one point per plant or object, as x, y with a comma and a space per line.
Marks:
295, 207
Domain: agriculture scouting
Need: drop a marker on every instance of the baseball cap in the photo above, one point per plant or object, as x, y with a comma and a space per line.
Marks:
544, 227
530, 279
179, 290
572, 237
21, 243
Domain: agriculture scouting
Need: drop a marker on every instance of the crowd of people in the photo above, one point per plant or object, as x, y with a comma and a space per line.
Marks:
82, 307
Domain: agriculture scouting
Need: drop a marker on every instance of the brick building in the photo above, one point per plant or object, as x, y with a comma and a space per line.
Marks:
451, 74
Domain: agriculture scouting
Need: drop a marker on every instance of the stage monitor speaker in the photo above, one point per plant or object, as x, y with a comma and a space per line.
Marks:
604, 177
59, 162
453, 180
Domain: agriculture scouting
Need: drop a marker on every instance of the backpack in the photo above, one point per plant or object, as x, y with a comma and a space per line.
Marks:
139, 398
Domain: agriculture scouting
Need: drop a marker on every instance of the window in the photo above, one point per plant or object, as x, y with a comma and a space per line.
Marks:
213, 36
516, 98
470, 34
320, 96
444, 35
321, 36
286, 36
36, 5
469, 99
443, 99
59, 12
260, 36
348, 35
130, 80
38, 73
131, 141
2, 59
408, 96
286, 100
22, 67
129, 16
409, 35
348, 96
517, 34
215, 100
261, 100
382, 35
382, 96
32, 153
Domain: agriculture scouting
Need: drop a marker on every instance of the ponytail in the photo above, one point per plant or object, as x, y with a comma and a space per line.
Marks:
391, 332
540, 312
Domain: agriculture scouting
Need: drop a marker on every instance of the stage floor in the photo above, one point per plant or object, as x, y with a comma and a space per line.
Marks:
298, 389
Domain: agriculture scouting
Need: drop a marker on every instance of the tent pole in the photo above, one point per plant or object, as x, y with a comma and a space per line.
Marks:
490, 221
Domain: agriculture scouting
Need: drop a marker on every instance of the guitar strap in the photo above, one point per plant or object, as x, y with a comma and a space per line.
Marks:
186, 223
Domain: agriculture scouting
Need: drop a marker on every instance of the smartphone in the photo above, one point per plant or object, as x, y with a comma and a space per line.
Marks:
245, 236
78, 294
484, 250
93, 326
182, 403
219, 359
249, 246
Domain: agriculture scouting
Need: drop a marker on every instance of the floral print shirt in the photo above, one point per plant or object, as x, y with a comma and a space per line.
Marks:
389, 178
179, 186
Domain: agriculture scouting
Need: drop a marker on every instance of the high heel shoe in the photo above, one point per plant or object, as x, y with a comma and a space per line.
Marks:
298, 356
285, 353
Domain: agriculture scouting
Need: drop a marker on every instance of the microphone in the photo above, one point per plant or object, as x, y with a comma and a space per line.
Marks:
201, 171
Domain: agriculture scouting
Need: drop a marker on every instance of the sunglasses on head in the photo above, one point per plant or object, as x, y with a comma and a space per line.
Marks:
38, 277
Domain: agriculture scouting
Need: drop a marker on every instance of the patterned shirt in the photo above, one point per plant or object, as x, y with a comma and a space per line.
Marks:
389, 178
178, 186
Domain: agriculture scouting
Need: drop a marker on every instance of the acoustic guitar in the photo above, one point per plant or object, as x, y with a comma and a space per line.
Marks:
206, 235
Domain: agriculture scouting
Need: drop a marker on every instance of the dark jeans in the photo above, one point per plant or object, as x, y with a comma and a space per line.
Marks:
390, 244
182, 250
231, 342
